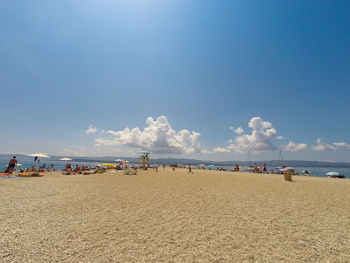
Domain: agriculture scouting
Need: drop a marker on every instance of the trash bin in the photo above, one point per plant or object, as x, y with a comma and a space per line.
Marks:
287, 176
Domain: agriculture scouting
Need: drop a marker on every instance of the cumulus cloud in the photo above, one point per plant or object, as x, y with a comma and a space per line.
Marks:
239, 130
320, 146
343, 145
279, 137
91, 130
157, 137
293, 147
259, 140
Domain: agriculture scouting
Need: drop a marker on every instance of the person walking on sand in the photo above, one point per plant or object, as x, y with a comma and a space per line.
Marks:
12, 165
190, 169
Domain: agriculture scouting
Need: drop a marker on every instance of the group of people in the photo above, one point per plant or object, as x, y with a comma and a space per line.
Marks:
257, 170
69, 168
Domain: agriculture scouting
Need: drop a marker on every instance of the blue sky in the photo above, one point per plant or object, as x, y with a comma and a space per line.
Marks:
204, 65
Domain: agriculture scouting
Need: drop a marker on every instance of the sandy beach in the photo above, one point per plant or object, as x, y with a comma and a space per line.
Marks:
168, 216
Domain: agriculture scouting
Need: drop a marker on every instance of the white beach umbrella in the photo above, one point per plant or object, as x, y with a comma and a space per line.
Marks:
39, 155
65, 159
118, 160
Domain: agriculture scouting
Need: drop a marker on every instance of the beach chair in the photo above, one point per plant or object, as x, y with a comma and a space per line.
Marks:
128, 171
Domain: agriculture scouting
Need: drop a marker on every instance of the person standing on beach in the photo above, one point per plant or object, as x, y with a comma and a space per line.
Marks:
12, 165
265, 170
255, 168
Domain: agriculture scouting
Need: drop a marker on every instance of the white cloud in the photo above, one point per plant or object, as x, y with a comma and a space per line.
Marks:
258, 141
221, 150
91, 130
157, 137
320, 146
292, 147
239, 130
279, 137
205, 151
343, 145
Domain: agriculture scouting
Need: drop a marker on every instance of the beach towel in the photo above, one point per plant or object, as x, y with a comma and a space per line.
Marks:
8, 176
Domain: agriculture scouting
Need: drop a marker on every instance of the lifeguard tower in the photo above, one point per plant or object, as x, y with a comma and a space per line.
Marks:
144, 159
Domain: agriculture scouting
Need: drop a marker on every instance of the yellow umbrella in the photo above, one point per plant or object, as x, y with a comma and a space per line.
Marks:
107, 164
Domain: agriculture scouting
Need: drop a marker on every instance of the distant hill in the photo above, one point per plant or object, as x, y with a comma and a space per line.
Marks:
4, 158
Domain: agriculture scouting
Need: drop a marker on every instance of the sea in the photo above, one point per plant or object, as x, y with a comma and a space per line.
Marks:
28, 162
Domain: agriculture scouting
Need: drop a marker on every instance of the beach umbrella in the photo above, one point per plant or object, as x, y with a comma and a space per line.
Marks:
333, 173
107, 164
306, 172
211, 166
65, 159
118, 160
37, 157
202, 164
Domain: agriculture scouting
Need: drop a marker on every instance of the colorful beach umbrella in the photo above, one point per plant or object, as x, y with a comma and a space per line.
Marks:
107, 164
306, 171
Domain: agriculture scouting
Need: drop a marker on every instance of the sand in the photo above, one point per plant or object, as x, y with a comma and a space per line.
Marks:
209, 216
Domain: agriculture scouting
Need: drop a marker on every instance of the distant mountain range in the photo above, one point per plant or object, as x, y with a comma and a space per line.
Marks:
169, 161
